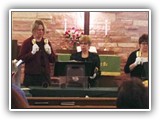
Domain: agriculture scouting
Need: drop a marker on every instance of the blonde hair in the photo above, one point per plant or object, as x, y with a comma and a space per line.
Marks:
36, 25
86, 39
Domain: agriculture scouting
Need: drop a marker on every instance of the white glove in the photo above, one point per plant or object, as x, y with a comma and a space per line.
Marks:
47, 49
138, 61
35, 48
94, 76
14, 66
144, 59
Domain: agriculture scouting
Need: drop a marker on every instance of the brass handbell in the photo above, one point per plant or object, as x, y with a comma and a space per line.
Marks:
46, 41
138, 54
34, 41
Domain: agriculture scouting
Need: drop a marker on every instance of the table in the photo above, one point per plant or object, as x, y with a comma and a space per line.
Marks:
73, 92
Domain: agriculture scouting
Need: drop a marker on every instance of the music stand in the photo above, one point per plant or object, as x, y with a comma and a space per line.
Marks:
76, 72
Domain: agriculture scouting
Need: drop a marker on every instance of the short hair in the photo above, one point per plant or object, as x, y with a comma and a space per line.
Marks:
36, 24
143, 38
18, 98
85, 38
132, 94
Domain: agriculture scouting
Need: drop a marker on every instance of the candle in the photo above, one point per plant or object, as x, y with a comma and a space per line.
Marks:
106, 27
65, 25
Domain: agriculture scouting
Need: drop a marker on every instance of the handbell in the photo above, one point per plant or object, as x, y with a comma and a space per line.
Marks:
138, 54
46, 41
34, 41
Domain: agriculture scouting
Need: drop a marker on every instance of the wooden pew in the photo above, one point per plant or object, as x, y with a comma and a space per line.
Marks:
72, 102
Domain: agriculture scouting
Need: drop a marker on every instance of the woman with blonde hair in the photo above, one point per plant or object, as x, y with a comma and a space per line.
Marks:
37, 54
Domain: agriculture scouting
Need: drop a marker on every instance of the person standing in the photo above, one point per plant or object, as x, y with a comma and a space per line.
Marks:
37, 54
134, 64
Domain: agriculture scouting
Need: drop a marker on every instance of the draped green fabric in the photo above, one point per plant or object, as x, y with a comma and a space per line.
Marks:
64, 57
110, 64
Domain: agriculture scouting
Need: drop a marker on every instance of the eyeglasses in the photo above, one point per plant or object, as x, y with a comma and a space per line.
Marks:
144, 43
83, 43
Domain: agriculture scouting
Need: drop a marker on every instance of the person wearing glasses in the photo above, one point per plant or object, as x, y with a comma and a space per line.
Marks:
137, 58
86, 56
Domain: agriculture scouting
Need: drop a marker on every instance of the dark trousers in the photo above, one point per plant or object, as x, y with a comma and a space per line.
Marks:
36, 80
92, 83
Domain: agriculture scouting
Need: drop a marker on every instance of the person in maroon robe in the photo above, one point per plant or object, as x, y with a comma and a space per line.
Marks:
37, 54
